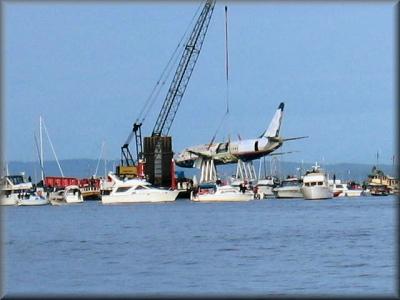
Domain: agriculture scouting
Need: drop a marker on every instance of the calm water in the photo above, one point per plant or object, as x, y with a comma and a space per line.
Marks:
264, 247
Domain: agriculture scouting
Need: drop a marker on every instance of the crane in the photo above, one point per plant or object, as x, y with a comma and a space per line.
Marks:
173, 99
178, 86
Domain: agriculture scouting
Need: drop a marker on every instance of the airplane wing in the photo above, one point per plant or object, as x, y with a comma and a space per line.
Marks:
281, 153
280, 139
295, 138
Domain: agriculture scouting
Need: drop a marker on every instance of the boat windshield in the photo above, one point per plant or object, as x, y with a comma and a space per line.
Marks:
290, 183
16, 179
122, 189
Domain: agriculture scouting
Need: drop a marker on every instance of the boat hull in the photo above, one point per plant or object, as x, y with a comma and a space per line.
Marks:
265, 192
33, 202
152, 197
354, 193
8, 200
289, 193
57, 200
316, 192
225, 197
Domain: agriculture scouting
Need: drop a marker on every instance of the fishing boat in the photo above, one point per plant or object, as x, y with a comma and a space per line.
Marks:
289, 188
69, 195
315, 184
13, 188
212, 192
136, 191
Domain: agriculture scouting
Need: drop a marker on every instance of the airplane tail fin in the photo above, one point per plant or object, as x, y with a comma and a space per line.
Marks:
275, 125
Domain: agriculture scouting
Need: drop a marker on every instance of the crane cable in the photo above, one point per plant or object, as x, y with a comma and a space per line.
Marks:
164, 75
227, 79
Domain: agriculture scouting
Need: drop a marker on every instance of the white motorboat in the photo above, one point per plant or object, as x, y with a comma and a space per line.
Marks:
338, 188
355, 190
315, 184
265, 187
289, 188
211, 192
70, 194
35, 198
13, 188
136, 191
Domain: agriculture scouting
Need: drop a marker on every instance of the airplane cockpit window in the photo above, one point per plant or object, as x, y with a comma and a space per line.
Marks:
223, 147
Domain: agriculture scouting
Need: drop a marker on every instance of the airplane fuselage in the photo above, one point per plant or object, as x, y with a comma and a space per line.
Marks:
227, 153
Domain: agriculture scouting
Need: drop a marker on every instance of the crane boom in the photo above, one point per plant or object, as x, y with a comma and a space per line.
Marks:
154, 156
183, 72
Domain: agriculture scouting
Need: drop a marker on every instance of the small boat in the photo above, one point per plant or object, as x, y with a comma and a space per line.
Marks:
378, 190
70, 194
265, 187
212, 192
33, 199
315, 184
354, 190
136, 191
14, 188
289, 188
338, 188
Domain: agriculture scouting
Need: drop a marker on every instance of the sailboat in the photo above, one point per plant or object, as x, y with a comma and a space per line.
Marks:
36, 196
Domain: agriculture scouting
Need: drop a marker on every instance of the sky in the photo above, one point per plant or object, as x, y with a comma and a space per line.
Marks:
88, 68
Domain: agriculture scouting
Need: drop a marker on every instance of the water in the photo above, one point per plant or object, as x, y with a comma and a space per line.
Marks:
262, 247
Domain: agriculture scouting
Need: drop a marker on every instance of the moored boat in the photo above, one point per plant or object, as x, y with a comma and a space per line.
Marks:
13, 188
136, 191
315, 184
289, 188
69, 195
33, 199
211, 192
378, 190
265, 187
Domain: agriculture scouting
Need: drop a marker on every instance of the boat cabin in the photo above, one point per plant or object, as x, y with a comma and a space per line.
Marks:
206, 188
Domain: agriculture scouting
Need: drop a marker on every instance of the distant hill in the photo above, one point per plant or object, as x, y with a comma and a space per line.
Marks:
86, 167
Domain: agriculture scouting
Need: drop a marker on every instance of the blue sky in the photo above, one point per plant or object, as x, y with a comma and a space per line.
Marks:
89, 68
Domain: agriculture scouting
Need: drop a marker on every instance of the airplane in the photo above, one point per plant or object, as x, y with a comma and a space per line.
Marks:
244, 150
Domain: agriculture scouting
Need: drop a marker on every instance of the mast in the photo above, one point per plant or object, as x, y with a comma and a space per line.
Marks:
41, 147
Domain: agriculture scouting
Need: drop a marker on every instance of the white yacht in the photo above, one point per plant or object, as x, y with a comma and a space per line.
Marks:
265, 187
289, 188
70, 194
136, 191
315, 184
13, 188
211, 192
33, 199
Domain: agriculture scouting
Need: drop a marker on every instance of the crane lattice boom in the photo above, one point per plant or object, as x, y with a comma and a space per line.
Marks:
183, 72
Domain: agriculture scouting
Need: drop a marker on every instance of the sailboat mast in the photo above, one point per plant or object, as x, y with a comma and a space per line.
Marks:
41, 147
